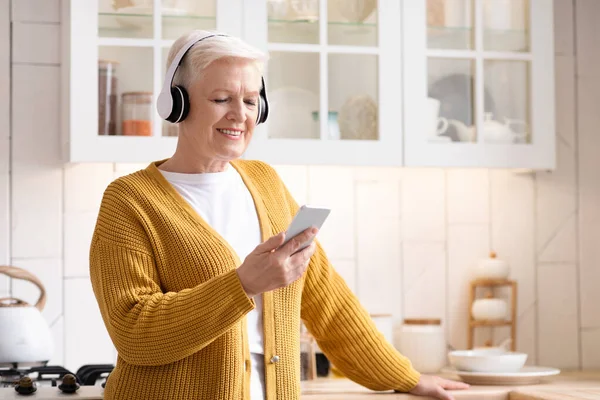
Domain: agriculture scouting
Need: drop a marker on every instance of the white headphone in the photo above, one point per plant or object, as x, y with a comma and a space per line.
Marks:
173, 102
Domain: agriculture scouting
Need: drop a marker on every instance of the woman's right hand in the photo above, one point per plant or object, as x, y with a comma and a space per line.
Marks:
269, 267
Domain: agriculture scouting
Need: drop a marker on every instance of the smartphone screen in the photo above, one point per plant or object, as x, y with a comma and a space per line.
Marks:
306, 217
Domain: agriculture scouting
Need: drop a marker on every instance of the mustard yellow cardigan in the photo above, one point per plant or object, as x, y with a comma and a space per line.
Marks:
171, 300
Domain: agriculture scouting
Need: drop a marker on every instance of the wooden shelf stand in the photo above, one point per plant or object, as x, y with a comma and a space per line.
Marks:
512, 322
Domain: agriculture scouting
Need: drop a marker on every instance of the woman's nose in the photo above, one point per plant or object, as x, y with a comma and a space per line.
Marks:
237, 112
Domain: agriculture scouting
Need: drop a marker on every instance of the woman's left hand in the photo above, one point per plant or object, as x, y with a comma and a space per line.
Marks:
436, 387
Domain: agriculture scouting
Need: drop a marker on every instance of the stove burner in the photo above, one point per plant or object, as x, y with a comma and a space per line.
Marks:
52, 375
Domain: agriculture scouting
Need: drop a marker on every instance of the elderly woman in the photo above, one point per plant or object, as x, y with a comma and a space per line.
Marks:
198, 295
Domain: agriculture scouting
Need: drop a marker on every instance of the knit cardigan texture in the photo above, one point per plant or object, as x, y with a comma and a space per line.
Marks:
173, 305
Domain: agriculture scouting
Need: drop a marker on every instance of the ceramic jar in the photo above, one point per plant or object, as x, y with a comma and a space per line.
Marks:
492, 268
489, 309
424, 343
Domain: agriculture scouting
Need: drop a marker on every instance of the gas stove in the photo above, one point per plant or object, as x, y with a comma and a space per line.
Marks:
41, 380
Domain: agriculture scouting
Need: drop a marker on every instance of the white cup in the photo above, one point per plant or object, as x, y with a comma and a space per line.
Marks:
435, 125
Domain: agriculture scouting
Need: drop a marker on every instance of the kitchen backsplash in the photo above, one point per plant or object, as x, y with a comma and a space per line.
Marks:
405, 240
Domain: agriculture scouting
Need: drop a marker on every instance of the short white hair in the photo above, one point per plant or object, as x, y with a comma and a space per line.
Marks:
204, 52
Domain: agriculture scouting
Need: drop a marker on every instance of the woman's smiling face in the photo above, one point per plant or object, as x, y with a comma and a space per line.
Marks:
223, 110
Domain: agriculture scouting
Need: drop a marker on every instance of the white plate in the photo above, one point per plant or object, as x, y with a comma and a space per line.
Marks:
528, 375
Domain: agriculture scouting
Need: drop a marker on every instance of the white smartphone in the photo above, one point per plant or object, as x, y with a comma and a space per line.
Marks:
306, 217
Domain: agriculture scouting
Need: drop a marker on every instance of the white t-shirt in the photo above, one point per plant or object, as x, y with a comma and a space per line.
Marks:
224, 202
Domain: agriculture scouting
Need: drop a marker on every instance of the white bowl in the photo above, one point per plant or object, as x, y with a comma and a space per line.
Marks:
487, 361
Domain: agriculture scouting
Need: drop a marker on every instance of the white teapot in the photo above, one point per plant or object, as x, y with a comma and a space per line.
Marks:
497, 132
464, 132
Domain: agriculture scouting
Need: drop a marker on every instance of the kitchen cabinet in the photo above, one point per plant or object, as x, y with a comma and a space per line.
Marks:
114, 47
445, 83
480, 74
329, 58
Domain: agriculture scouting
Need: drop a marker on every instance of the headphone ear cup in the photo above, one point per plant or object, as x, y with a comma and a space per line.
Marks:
181, 104
263, 105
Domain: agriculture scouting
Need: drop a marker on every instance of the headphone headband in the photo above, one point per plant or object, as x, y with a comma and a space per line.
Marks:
170, 75
165, 100
173, 102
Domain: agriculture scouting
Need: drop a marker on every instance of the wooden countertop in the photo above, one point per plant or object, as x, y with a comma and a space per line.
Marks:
566, 386
584, 385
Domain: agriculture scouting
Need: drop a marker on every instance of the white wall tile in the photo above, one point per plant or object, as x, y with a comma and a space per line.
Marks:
4, 155
36, 43
556, 209
86, 337
468, 196
49, 272
4, 141
513, 227
424, 280
467, 244
558, 330
338, 232
378, 246
36, 11
85, 185
295, 178
563, 246
565, 99
4, 75
79, 228
128, 168
58, 335
37, 213
590, 348
563, 27
36, 116
589, 198
513, 230
587, 34
423, 205
370, 174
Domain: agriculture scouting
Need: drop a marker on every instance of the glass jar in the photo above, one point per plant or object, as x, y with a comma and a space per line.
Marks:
107, 97
137, 113
423, 342
308, 357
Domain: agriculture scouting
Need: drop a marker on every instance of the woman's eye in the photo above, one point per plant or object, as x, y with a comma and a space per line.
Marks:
251, 102
220, 100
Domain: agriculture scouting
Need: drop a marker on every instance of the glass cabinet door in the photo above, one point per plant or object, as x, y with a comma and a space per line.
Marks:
488, 84
328, 64
133, 34
117, 60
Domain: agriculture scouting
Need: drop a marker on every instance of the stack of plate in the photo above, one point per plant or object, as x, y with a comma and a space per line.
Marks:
495, 367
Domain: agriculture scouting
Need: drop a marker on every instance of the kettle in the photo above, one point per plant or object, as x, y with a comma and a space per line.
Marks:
26, 337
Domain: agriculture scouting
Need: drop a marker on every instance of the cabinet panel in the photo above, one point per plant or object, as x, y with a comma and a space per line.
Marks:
451, 101
293, 94
353, 97
485, 103
330, 59
121, 77
509, 102
506, 25
415, 83
450, 24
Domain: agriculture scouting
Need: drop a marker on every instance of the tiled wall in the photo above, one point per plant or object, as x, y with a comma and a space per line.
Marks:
405, 240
